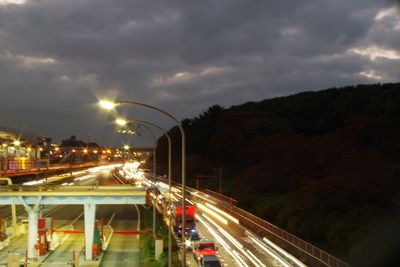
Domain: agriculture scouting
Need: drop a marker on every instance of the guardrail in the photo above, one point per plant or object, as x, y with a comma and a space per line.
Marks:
293, 240
256, 224
43, 166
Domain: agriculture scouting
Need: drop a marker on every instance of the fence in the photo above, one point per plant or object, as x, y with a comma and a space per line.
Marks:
254, 223
293, 240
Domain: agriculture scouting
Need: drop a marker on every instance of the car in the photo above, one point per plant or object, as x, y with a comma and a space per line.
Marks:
209, 261
204, 248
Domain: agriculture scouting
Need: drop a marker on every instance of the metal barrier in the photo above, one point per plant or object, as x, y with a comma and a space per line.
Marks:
293, 240
259, 224
37, 166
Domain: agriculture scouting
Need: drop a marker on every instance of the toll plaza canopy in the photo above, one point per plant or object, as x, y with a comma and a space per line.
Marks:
71, 195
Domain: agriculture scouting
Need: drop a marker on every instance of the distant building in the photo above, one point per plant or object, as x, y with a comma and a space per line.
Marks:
76, 151
19, 149
16, 143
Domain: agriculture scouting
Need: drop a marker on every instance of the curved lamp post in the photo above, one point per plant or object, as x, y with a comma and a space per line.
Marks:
111, 105
123, 122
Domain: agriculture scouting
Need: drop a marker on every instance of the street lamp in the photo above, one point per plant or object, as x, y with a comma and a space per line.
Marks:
124, 123
110, 105
146, 123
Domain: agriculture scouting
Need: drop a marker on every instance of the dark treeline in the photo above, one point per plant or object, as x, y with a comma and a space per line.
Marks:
322, 165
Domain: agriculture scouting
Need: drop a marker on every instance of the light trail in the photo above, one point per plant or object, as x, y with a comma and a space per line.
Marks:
213, 233
206, 199
175, 190
238, 246
239, 259
85, 177
164, 185
266, 249
291, 257
233, 219
41, 181
213, 213
234, 241
172, 197
255, 258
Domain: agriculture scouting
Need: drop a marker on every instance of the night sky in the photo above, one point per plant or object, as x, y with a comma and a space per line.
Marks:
57, 58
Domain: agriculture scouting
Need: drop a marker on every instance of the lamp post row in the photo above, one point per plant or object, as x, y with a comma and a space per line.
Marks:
146, 124
110, 105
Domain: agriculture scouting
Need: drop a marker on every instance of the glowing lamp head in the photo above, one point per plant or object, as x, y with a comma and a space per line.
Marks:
17, 143
106, 104
126, 147
121, 122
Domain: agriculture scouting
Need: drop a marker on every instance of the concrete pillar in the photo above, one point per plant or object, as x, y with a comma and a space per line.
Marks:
14, 219
90, 212
33, 215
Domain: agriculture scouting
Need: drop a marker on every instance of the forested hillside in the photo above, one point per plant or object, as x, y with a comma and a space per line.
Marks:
322, 165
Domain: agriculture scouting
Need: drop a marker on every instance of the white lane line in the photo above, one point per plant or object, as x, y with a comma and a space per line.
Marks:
77, 218
112, 217
55, 210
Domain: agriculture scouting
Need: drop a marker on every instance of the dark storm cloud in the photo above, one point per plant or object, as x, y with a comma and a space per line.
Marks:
56, 56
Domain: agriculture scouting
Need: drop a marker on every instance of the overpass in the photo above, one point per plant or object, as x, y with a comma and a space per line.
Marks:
89, 196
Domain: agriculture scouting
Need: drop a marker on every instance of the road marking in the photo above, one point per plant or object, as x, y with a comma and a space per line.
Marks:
112, 217
77, 218
54, 210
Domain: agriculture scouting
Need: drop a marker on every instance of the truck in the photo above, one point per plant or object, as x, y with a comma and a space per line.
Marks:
203, 249
190, 211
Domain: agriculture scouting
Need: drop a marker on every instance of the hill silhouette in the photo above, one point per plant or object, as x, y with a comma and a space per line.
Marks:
323, 165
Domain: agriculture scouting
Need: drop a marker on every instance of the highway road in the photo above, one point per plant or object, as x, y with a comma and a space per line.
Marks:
237, 245
123, 250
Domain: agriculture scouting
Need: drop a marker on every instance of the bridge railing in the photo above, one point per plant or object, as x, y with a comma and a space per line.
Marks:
295, 241
256, 224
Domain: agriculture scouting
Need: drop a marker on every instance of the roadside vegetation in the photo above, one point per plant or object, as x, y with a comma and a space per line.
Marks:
323, 165
147, 242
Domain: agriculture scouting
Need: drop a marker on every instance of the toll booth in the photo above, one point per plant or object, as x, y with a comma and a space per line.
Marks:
3, 227
45, 232
98, 238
